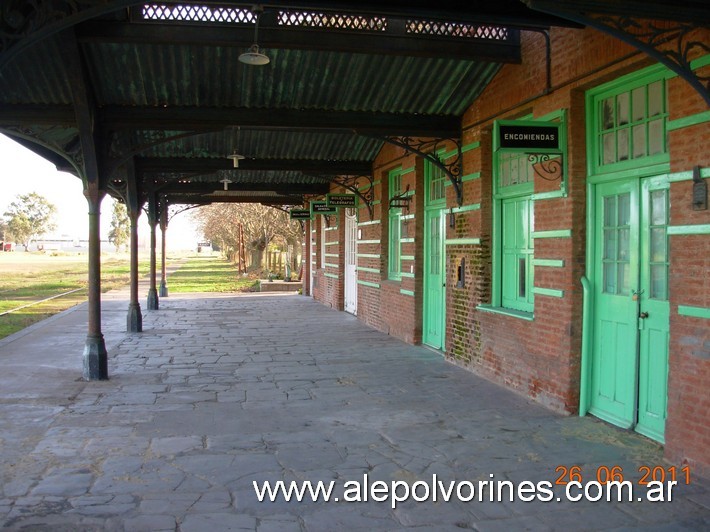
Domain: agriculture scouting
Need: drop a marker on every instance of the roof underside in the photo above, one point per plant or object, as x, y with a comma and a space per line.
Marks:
159, 87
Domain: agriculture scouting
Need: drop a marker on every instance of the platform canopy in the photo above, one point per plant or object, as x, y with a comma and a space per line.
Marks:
154, 95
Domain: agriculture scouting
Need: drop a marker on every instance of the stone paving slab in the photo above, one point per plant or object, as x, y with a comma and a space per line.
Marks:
221, 391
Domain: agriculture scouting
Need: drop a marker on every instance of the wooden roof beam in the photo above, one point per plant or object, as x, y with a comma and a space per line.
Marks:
33, 115
394, 41
114, 118
213, 118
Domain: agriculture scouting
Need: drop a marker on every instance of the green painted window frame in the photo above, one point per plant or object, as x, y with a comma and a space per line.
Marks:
434, 174
505, 281
517, 253
626, 85
394, 236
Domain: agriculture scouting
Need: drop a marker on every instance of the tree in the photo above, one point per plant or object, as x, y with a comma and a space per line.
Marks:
262, 226
29, 216
5, 233
120, 226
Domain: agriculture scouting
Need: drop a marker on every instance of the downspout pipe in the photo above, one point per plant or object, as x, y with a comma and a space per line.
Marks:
585, 369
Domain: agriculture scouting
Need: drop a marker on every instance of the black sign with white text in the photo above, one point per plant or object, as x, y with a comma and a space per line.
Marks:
341, 200
300, 214
529, 137
321, 207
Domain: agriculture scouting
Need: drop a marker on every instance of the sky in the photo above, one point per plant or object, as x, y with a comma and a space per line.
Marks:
22, 172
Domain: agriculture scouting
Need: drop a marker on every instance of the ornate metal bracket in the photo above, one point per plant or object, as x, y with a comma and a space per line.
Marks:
652, 39
72, 154
24, 23
174, 210
548, 166
648, 37
360, 185
452, 169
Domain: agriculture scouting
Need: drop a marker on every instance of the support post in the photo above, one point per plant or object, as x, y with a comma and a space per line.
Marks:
95, 355
153, 302
134, 204
163, 230
135, 317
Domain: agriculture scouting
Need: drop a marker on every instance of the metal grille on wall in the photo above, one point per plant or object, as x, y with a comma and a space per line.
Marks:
310, 19
331, 20
452, 29
197, 13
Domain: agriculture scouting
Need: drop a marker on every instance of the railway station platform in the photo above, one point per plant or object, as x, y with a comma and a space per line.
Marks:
223, 391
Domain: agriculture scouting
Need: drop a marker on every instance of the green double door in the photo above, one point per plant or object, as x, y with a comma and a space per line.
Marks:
434, 315
631, 311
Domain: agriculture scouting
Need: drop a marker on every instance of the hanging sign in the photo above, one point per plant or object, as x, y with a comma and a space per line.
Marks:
321, 207
529, 137
300, 214
341, 200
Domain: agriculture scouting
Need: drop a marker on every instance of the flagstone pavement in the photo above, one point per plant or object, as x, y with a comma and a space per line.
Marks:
223, 391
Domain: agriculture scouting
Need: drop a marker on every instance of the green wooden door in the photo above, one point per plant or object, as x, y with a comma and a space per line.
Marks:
631, 315
654, 310
434, 315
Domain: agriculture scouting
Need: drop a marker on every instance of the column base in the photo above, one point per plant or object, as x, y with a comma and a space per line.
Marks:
153, 303
134, 323
163, 289
95, 359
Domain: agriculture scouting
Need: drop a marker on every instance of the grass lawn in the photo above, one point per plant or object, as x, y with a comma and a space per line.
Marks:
209, 273
30, 277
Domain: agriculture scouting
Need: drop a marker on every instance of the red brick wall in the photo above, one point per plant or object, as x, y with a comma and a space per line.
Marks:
541, 358
370, 229
395, 313
687, 429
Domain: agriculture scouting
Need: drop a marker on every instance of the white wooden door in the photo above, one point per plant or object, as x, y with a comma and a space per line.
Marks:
351, 261
311, 257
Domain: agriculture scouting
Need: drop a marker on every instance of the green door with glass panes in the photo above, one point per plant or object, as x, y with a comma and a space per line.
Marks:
631, 310
434, 317
434, 303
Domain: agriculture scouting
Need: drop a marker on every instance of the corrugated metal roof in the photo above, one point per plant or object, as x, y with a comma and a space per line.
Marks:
37, 76
244, 194
156, 75
244, 177
267, 176
269, 145
136, 74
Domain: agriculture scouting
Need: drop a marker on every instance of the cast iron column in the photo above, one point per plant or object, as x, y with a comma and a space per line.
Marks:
134, 205
153, 302
135, 317
95, 355
163, 230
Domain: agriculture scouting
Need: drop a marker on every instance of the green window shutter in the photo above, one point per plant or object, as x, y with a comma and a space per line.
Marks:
517, 253
435, 180
394, 263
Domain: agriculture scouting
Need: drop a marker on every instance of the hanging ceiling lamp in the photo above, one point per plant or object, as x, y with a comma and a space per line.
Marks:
254, 56
226, 183
236, 157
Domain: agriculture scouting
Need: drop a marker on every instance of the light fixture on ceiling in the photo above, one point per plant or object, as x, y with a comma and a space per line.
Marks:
226, 183
236, 157
254, 56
